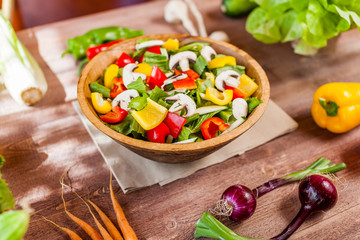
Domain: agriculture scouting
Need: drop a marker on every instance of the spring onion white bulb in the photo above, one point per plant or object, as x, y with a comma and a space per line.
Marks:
20, 72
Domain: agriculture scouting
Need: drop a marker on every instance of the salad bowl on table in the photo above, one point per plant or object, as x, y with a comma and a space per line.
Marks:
165, 152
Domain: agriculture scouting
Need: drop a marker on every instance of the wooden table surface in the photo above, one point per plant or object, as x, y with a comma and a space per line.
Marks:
42, 141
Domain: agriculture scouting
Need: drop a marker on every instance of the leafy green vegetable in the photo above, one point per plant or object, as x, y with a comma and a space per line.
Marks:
195, 125
253, 103
200, 65
157, 94
138, 103
6, 198
138, 85
237, 68
128, 126
184, 134
193, 46
13, 224
310, 22
156, 59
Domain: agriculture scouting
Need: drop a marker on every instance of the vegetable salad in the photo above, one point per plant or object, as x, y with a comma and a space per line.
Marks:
167, 93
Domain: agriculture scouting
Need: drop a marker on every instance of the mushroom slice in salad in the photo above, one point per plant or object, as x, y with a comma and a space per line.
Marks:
228, 77
182, 101
183, 60
124, 98
130, 76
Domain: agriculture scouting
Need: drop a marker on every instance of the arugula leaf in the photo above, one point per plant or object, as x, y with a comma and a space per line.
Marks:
138, 85
253, 103
7, 200
195, 125
184, 134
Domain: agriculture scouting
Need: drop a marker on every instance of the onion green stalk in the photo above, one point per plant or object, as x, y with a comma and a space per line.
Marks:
208, 226
20, 72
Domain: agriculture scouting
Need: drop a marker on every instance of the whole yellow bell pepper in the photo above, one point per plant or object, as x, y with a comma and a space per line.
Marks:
336, 106
101, 106
222, 61
219, 98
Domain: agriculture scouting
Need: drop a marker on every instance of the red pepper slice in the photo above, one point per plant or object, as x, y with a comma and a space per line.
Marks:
186, 83
118, 87
158, 134
237, 93
191, 73
211, 126
157, 77
154, 49
175, 123
116, 116
124, 60
91, 52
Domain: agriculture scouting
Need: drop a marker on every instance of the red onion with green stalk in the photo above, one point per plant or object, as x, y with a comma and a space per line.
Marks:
316, 193
239, 202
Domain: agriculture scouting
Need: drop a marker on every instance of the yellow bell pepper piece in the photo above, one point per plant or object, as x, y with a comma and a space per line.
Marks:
101, 106
336, 106
111, 72
247, 85
219, 98
144, 68
222, 61
171, 44
151, 116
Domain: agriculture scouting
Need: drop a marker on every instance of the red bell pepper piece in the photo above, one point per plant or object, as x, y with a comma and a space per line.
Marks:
157, 77
190, 73
186, 83
211, 126
124, 60
116, 116
154, 49
237, 93
91, 52
175, 123
118, 87
158, 134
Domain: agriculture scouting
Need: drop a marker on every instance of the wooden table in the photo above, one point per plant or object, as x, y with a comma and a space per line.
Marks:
41, 142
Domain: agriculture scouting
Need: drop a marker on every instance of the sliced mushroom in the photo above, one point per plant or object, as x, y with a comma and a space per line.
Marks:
147, 44
239, 110
124, 98
129, 75
182, 59
173, 79
228, 77
182, 101
207, 52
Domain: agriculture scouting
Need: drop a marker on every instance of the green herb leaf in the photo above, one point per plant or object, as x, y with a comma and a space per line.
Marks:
7, 200
156, 59
184, 134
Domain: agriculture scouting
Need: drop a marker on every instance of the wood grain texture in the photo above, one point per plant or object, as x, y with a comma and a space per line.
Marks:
41, 142
171, 153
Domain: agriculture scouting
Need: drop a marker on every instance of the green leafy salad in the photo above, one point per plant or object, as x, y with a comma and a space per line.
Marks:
167, 93
307, 23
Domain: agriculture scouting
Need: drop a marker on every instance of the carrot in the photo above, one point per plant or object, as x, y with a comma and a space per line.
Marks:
124, 225
70, 233
109, 225
86, 227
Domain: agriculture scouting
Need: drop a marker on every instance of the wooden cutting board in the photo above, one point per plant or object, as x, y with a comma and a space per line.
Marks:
41, 142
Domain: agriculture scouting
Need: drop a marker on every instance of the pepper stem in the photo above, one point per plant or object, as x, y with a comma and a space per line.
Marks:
330, 107
321, 165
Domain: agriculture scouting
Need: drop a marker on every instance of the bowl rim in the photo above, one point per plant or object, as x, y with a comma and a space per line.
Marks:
224, 138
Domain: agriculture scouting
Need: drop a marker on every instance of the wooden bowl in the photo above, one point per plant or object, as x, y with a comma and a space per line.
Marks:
162, 152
